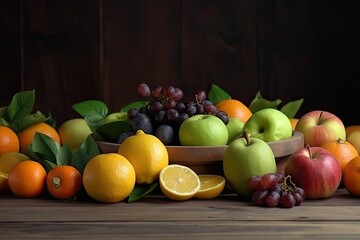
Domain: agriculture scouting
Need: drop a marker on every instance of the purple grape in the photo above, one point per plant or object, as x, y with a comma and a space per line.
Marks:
272, 199
172, 115
269, 180
200, 95
259, 197
178, 95
165, 133
298, 198
169, 91
143, 90
254, 183
132, 113
287, 200
223, 117
155, 106
156, 92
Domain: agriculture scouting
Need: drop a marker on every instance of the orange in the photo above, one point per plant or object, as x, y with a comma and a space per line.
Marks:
351, 176
109, 178
234, 108
27, 179
352, 128
26, 136
9, 141
63, 182
342, 150
293, 122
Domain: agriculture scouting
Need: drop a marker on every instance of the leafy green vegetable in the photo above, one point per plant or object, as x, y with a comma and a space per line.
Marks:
140, 191
216, 94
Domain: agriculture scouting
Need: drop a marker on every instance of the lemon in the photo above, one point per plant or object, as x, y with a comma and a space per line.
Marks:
109, 178
179, 182
147, 154
211, 186
7, 162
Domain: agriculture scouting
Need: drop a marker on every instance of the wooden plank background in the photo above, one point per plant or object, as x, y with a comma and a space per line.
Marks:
69, 51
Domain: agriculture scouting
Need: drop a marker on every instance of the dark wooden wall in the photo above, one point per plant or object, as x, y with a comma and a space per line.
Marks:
70, 51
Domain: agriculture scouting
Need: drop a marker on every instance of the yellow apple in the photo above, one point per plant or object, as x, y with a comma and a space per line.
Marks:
74, 132
354, 139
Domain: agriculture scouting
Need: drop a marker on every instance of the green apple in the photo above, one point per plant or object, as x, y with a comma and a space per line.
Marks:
74, 132
113, 125
246, 157
235, 128
269, 124
203, 130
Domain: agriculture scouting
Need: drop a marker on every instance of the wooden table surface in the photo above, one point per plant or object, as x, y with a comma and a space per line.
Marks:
156, 217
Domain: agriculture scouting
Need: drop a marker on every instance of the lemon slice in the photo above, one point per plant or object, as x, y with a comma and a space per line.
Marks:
211, 186
179, 182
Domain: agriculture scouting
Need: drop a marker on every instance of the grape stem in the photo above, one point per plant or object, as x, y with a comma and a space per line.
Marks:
287, 185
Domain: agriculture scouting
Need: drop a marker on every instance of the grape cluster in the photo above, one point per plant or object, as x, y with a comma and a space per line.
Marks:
275, 189
166, 109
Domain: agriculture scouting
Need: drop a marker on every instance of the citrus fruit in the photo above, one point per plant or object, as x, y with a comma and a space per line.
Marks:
179, 182
293, 122
27, 179
109, 178
7, 162
9, 141
63, 182
352, 128
234, 108
211, 186
354, 139
147, 154
342, 150
74, 132
351, 176
26, 136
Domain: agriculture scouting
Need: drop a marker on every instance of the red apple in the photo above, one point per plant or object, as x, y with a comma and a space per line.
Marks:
320, 126
315, 170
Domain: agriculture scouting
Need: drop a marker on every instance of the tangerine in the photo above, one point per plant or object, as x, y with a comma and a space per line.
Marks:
234, 108
9, 141
342, 150
26, 136
351, 176
27, 179
63, 182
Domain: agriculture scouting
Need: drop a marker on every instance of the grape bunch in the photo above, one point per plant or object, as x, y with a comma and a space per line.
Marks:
166, 109
275, 189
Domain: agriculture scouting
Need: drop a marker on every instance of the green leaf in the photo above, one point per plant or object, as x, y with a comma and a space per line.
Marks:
140, 191
291, 108
93, 111
47, 164
87, 150
21, 105
64, 155
45, 148
111, 130
137, 104
259, 103
20, 124
216, 94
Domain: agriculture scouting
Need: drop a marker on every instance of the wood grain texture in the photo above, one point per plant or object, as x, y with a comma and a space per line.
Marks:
156, 216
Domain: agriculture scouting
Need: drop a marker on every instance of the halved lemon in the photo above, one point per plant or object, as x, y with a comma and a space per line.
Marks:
211, 186
179, 182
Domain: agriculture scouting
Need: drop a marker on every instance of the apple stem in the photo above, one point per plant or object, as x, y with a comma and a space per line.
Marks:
246, 135
308, 148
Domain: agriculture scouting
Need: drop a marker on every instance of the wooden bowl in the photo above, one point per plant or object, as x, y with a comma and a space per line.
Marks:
208, 160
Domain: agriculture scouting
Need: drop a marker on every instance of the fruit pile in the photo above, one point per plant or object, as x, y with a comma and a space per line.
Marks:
65, 162
165, 111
